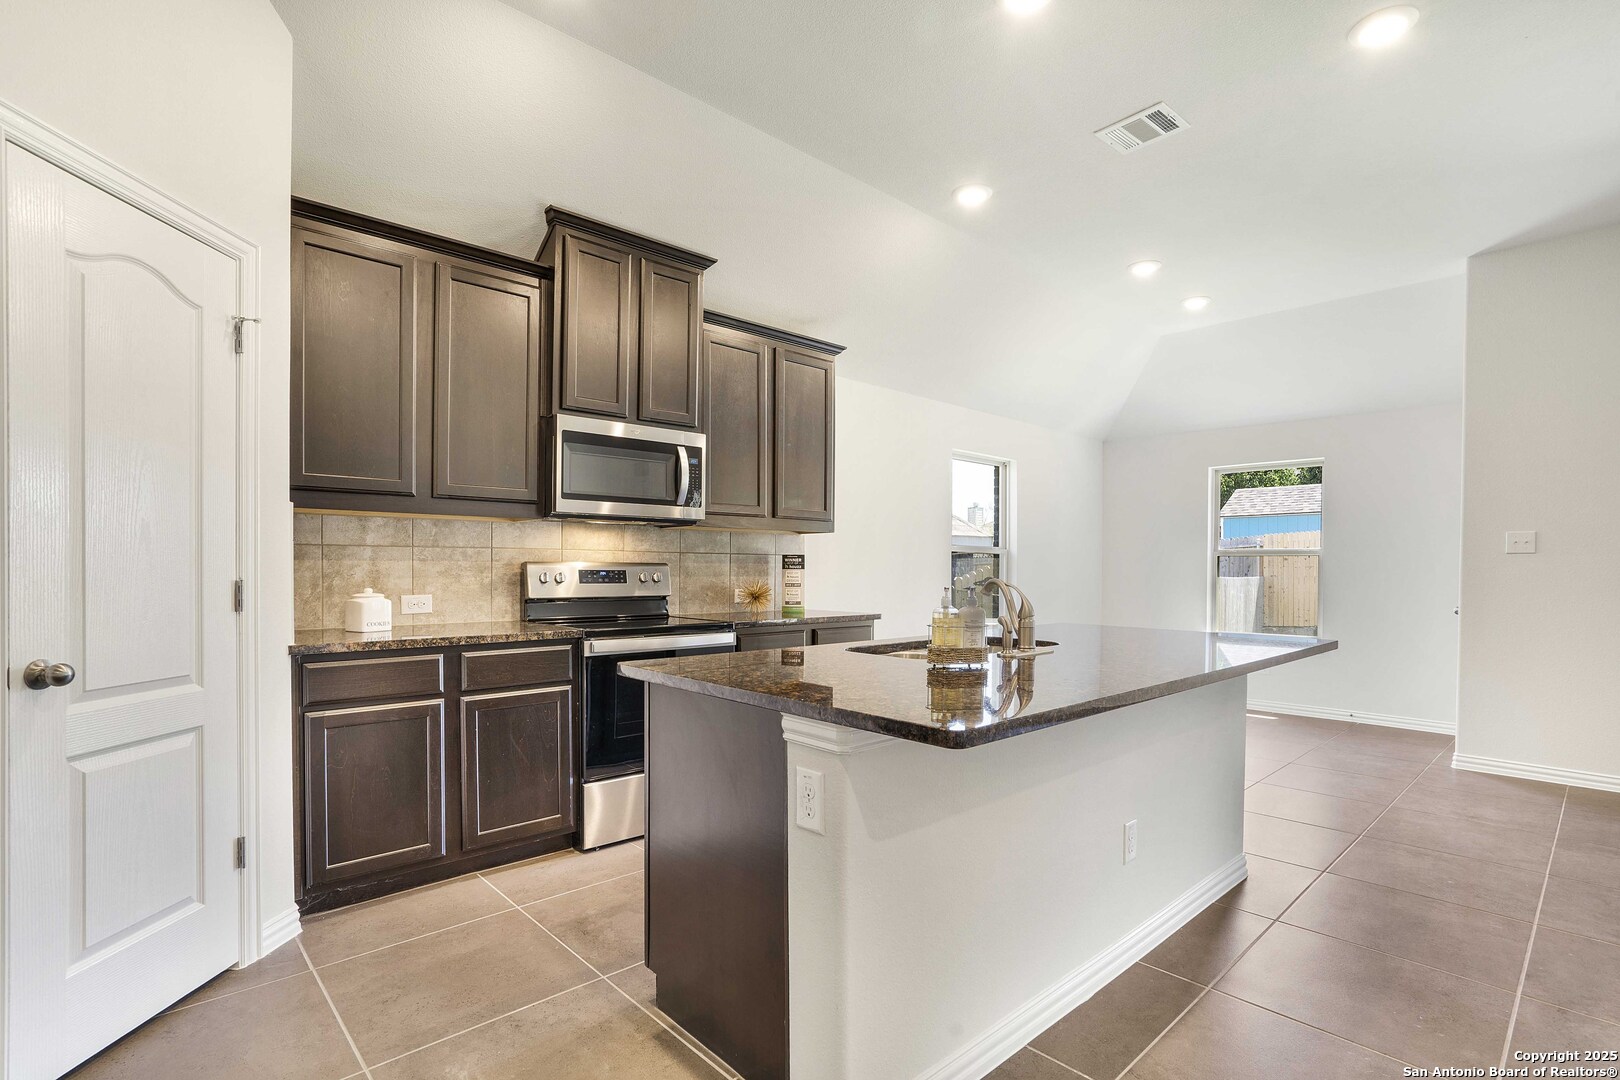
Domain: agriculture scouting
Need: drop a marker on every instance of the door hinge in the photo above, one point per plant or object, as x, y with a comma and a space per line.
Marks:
241, 853
236, 331
238, 595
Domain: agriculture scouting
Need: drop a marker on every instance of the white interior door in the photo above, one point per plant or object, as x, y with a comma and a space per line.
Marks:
121, 785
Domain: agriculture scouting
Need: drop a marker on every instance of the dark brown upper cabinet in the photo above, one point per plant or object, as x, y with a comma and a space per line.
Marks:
598, 327
354, 362
486, 385
804, 437
629, 320
737, 381
418, 370
770, 417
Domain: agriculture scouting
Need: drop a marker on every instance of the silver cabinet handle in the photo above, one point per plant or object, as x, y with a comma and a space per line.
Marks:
42, 674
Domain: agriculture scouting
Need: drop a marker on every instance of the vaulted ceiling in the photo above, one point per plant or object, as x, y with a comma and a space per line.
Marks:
813, 148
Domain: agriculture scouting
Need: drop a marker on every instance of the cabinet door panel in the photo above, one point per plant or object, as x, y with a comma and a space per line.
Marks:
831, 635
486, 386
803, 458
755, 640
374, 784
737, 374
516, 766
598, 329
671, 317
353, 365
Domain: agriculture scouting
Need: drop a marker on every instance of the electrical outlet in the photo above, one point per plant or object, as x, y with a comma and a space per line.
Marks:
807, 801
737, 597
1521, 543
1130, 840
420, 604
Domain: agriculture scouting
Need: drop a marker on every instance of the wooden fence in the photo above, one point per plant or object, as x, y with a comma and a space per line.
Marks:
1269, 593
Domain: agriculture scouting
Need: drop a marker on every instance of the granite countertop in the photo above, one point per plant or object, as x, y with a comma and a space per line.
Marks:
1092, 669
427, 636
775, 617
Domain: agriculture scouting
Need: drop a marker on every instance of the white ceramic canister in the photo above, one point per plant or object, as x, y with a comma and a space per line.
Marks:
368, 612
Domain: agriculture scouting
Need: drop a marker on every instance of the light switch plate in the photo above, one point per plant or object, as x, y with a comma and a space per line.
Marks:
418, 604
1521, 543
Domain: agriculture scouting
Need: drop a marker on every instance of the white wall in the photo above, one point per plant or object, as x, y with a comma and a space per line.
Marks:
891, 552
194, 97
1391, 508
1540, 678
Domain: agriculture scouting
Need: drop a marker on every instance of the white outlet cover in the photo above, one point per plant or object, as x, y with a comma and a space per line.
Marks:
737, 596
807, 801
1130, 840
416, 604
1521, 543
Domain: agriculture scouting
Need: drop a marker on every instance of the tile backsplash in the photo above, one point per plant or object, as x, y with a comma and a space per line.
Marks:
472, 568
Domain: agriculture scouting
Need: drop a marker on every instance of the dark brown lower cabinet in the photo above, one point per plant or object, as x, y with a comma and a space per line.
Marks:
473, 768
750, 638
375, 778
515, 755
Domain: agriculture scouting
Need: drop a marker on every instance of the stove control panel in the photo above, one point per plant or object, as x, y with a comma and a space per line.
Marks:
587, 580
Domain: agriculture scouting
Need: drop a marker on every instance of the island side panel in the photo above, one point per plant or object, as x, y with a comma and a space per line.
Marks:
963, 900
717, 798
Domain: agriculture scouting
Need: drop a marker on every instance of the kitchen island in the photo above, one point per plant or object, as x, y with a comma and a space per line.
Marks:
861, 867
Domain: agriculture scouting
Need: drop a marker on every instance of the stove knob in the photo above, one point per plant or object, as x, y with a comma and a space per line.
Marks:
559, 577
544, 577
643, 578
658, 577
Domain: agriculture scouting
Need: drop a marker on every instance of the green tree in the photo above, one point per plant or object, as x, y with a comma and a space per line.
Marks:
1230, 482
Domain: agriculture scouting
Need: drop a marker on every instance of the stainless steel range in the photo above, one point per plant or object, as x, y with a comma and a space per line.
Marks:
623, 609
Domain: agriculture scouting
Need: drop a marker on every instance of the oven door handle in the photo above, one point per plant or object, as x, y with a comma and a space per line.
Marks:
660, 643
686, 477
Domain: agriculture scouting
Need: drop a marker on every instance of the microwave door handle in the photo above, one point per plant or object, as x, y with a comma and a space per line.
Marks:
686, 476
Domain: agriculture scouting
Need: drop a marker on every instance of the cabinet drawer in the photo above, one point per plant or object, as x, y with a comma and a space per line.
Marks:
831, 635
382, 677
749, 640
498, 668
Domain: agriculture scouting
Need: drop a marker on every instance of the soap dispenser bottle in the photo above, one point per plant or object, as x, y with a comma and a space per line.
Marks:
946, 631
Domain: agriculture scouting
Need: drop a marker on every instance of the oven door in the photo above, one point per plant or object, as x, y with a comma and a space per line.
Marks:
607, 469
615, 707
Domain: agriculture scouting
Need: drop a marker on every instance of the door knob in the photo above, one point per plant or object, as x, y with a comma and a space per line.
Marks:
42, 674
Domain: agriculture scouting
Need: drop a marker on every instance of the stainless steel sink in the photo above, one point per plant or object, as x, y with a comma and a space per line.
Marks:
918, 650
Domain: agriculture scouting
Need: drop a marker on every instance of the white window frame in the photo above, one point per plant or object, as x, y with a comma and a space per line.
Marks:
1006, 483
1213, 543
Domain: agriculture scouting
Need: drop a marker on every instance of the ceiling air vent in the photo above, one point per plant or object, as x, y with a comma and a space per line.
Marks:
1131, 133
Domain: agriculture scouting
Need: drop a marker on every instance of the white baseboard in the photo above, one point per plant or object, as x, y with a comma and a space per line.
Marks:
1414, 723
1525, 771
1006, 1038
278, 931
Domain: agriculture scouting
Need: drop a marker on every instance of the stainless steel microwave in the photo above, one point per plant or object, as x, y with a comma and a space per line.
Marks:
638, 472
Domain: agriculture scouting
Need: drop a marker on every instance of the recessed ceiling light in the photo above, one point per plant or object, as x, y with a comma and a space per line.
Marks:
1024, 7
972, 196
1145, 269
1195, 303
1385, 27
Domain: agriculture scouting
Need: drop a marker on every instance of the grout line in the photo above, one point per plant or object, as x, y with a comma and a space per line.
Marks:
676, 1031
1183, 978
1055, 1061
407, 941
565, 892
709, 1057
1313, 1027
233, 993
1535, 928
330, 1004
486, 1023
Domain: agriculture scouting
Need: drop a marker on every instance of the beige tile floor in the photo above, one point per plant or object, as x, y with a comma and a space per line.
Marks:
1396, 912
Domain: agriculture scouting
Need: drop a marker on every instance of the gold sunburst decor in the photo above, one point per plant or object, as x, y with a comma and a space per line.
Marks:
756, 595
